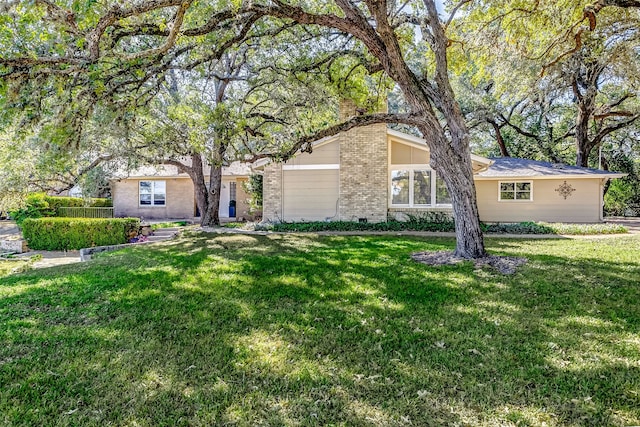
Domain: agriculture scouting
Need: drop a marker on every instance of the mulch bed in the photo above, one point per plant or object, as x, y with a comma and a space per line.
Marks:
503, 264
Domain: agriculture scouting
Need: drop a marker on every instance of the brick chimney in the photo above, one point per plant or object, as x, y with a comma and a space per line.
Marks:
363, 169
347, 109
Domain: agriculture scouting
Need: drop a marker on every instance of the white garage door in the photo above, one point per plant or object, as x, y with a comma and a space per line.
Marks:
310, 195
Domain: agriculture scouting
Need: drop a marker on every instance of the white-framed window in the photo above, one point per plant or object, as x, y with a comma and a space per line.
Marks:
152, 193
417, 186
515, 191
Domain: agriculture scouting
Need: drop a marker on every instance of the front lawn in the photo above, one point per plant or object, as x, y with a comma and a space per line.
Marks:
313, 331
12, 266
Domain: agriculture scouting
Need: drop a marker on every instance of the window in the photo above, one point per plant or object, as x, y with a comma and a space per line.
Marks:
400, 187
516, 191
232, 191
418, 187
152, 193
422, 187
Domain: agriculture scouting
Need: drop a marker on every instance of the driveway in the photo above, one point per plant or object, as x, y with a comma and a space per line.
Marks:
633, 224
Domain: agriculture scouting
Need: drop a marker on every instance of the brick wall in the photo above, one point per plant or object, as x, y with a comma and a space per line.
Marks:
363, 173
180, 199
242, 202
272, 192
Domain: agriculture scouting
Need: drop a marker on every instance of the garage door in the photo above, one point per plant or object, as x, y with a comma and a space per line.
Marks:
310, 195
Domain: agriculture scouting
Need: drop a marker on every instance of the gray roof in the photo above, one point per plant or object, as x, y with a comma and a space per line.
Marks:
163, 171
512, 167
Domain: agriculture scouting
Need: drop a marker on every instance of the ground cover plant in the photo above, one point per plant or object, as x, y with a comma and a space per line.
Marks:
229, 329
443, 225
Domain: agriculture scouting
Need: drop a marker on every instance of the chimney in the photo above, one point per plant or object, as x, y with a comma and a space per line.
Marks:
348, 109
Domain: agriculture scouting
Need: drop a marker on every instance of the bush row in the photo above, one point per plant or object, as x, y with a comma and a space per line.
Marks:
56, 202
416, 225
38, 205
76, 233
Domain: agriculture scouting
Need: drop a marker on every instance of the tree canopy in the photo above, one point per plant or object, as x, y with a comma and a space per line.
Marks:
532, 65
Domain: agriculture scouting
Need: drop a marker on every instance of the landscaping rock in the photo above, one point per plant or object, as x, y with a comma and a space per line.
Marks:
16, 246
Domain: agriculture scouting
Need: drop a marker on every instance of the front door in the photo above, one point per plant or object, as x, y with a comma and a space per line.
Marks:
224, 199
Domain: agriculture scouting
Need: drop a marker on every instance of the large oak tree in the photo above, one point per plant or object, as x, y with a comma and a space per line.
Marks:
111, 49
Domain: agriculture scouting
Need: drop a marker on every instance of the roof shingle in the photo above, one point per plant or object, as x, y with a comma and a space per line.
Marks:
514, 167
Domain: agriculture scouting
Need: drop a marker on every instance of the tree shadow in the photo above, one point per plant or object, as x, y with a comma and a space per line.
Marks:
307, 330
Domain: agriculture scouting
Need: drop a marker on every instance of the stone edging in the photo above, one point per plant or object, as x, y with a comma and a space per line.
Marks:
87, 253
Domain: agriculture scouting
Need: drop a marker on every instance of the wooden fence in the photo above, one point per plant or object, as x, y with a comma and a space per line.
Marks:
85, 212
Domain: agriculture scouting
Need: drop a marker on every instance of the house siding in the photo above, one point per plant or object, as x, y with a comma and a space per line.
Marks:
402, 154
179, 199
242, 202
583, 205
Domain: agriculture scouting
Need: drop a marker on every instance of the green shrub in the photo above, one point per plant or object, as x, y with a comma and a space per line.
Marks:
76, 233
56, 202
518, 228
101, 203
36, 206
392, 225
438, 221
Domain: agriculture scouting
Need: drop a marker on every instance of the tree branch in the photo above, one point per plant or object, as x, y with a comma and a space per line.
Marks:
305, 144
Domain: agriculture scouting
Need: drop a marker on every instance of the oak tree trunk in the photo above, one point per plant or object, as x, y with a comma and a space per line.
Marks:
457, 173
583, 143
207, 199
211, 217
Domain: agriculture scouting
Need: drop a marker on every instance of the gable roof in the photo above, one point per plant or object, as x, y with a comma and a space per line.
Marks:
398, 136
418, 142
511, 167
170, 171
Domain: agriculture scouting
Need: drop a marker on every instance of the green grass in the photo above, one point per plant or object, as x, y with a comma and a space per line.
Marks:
172, 224
301, 330
8, 267
235, 225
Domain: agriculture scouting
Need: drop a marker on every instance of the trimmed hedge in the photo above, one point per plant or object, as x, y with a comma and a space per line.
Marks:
39, 205
76, 233
56, 202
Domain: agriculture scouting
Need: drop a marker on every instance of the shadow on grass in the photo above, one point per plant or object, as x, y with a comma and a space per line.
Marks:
304, 330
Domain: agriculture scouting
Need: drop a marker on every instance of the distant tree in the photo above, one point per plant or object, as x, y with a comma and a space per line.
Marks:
555, 87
